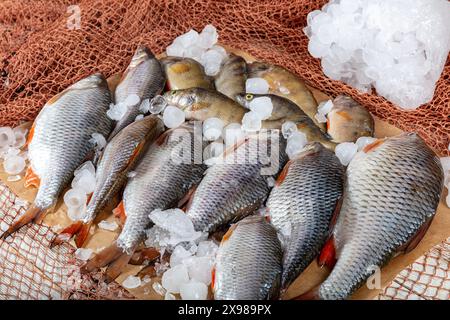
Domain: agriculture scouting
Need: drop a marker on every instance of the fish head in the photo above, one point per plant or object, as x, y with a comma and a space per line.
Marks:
141, 54
183, 99
93, 81
244, 99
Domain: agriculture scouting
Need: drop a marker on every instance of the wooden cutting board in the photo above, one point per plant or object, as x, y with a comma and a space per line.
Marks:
312, 276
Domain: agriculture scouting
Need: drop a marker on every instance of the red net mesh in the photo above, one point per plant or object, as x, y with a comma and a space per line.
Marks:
40, 55
29, 269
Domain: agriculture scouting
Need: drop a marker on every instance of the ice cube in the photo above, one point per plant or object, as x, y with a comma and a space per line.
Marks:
117, 111
195, 52
178, 255
83, 254
212, 153
175, 49
157, 104
262, 106
325, 107
7, 137
208, 37
188, 39
364, 141
139, 117
212, 60
158, 288
199, 268
320, 117
221, 50
257, 86
288, 128
75, 200
98, 140
232, 134
144, 107
345, 152
251, 121
88, 165
20, 135
173, 117
169, 296
14, 178
84, 180
316, 48
14, 164
270, 182
194, 290
108, 225
173, 278
295, 143
212, 128
131, 282
207, 248
132, 100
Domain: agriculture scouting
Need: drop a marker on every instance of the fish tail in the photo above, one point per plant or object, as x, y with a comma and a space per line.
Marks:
78, 229
32, 214
117, 266
103, 258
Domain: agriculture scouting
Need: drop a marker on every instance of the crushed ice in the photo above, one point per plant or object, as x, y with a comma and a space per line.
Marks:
345, 152
173, 117
108, 225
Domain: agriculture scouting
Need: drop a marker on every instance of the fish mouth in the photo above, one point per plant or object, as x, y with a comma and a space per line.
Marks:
240, 98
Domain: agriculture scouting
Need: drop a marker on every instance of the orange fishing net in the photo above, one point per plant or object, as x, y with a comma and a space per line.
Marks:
43, 49
47, 45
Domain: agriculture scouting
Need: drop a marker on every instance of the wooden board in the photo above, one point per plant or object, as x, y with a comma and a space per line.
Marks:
312, 276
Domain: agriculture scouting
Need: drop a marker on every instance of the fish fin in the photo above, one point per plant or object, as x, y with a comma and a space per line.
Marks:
372, 146
89, 197
33, 213
417, 237
30, 135
66, 234
163, 138
213, 277
82, 235
103, 258
146, 254
283, 174
136, 152
31, 179
147, 271
228, 234
119, 213
187, 197
116, 267
327, 255
312, 294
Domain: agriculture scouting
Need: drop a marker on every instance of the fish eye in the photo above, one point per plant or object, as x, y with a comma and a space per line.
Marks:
249, 97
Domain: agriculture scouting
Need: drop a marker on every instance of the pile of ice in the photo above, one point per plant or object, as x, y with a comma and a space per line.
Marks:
399, 47
192, 258
14, 159
201, 47
83, 184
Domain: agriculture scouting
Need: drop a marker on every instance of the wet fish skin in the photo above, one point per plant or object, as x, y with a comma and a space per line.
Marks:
201, 104
248, 262
160, 182
286, 84
232, 76
62, 132
348, 120
144, 77
234, 188
119, 158
301, 206
391, 191
285, 110
184, 73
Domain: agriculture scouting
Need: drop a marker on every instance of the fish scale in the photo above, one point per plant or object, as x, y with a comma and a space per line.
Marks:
391, 191
159, 182
248, 262
62, 132
233, 189
303, 202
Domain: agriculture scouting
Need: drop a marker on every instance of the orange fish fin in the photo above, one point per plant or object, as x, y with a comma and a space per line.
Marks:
89, 197
213, 277
119, 213
136, 152
146, 254
33, 213
335, 215
82, 234
417, 237
228, 234
147, 271
187, 197
116, 267
67, 233
327, 256
31, 179
345, 115
372, 146
283, 174
163, 138
30, 135
103, 258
